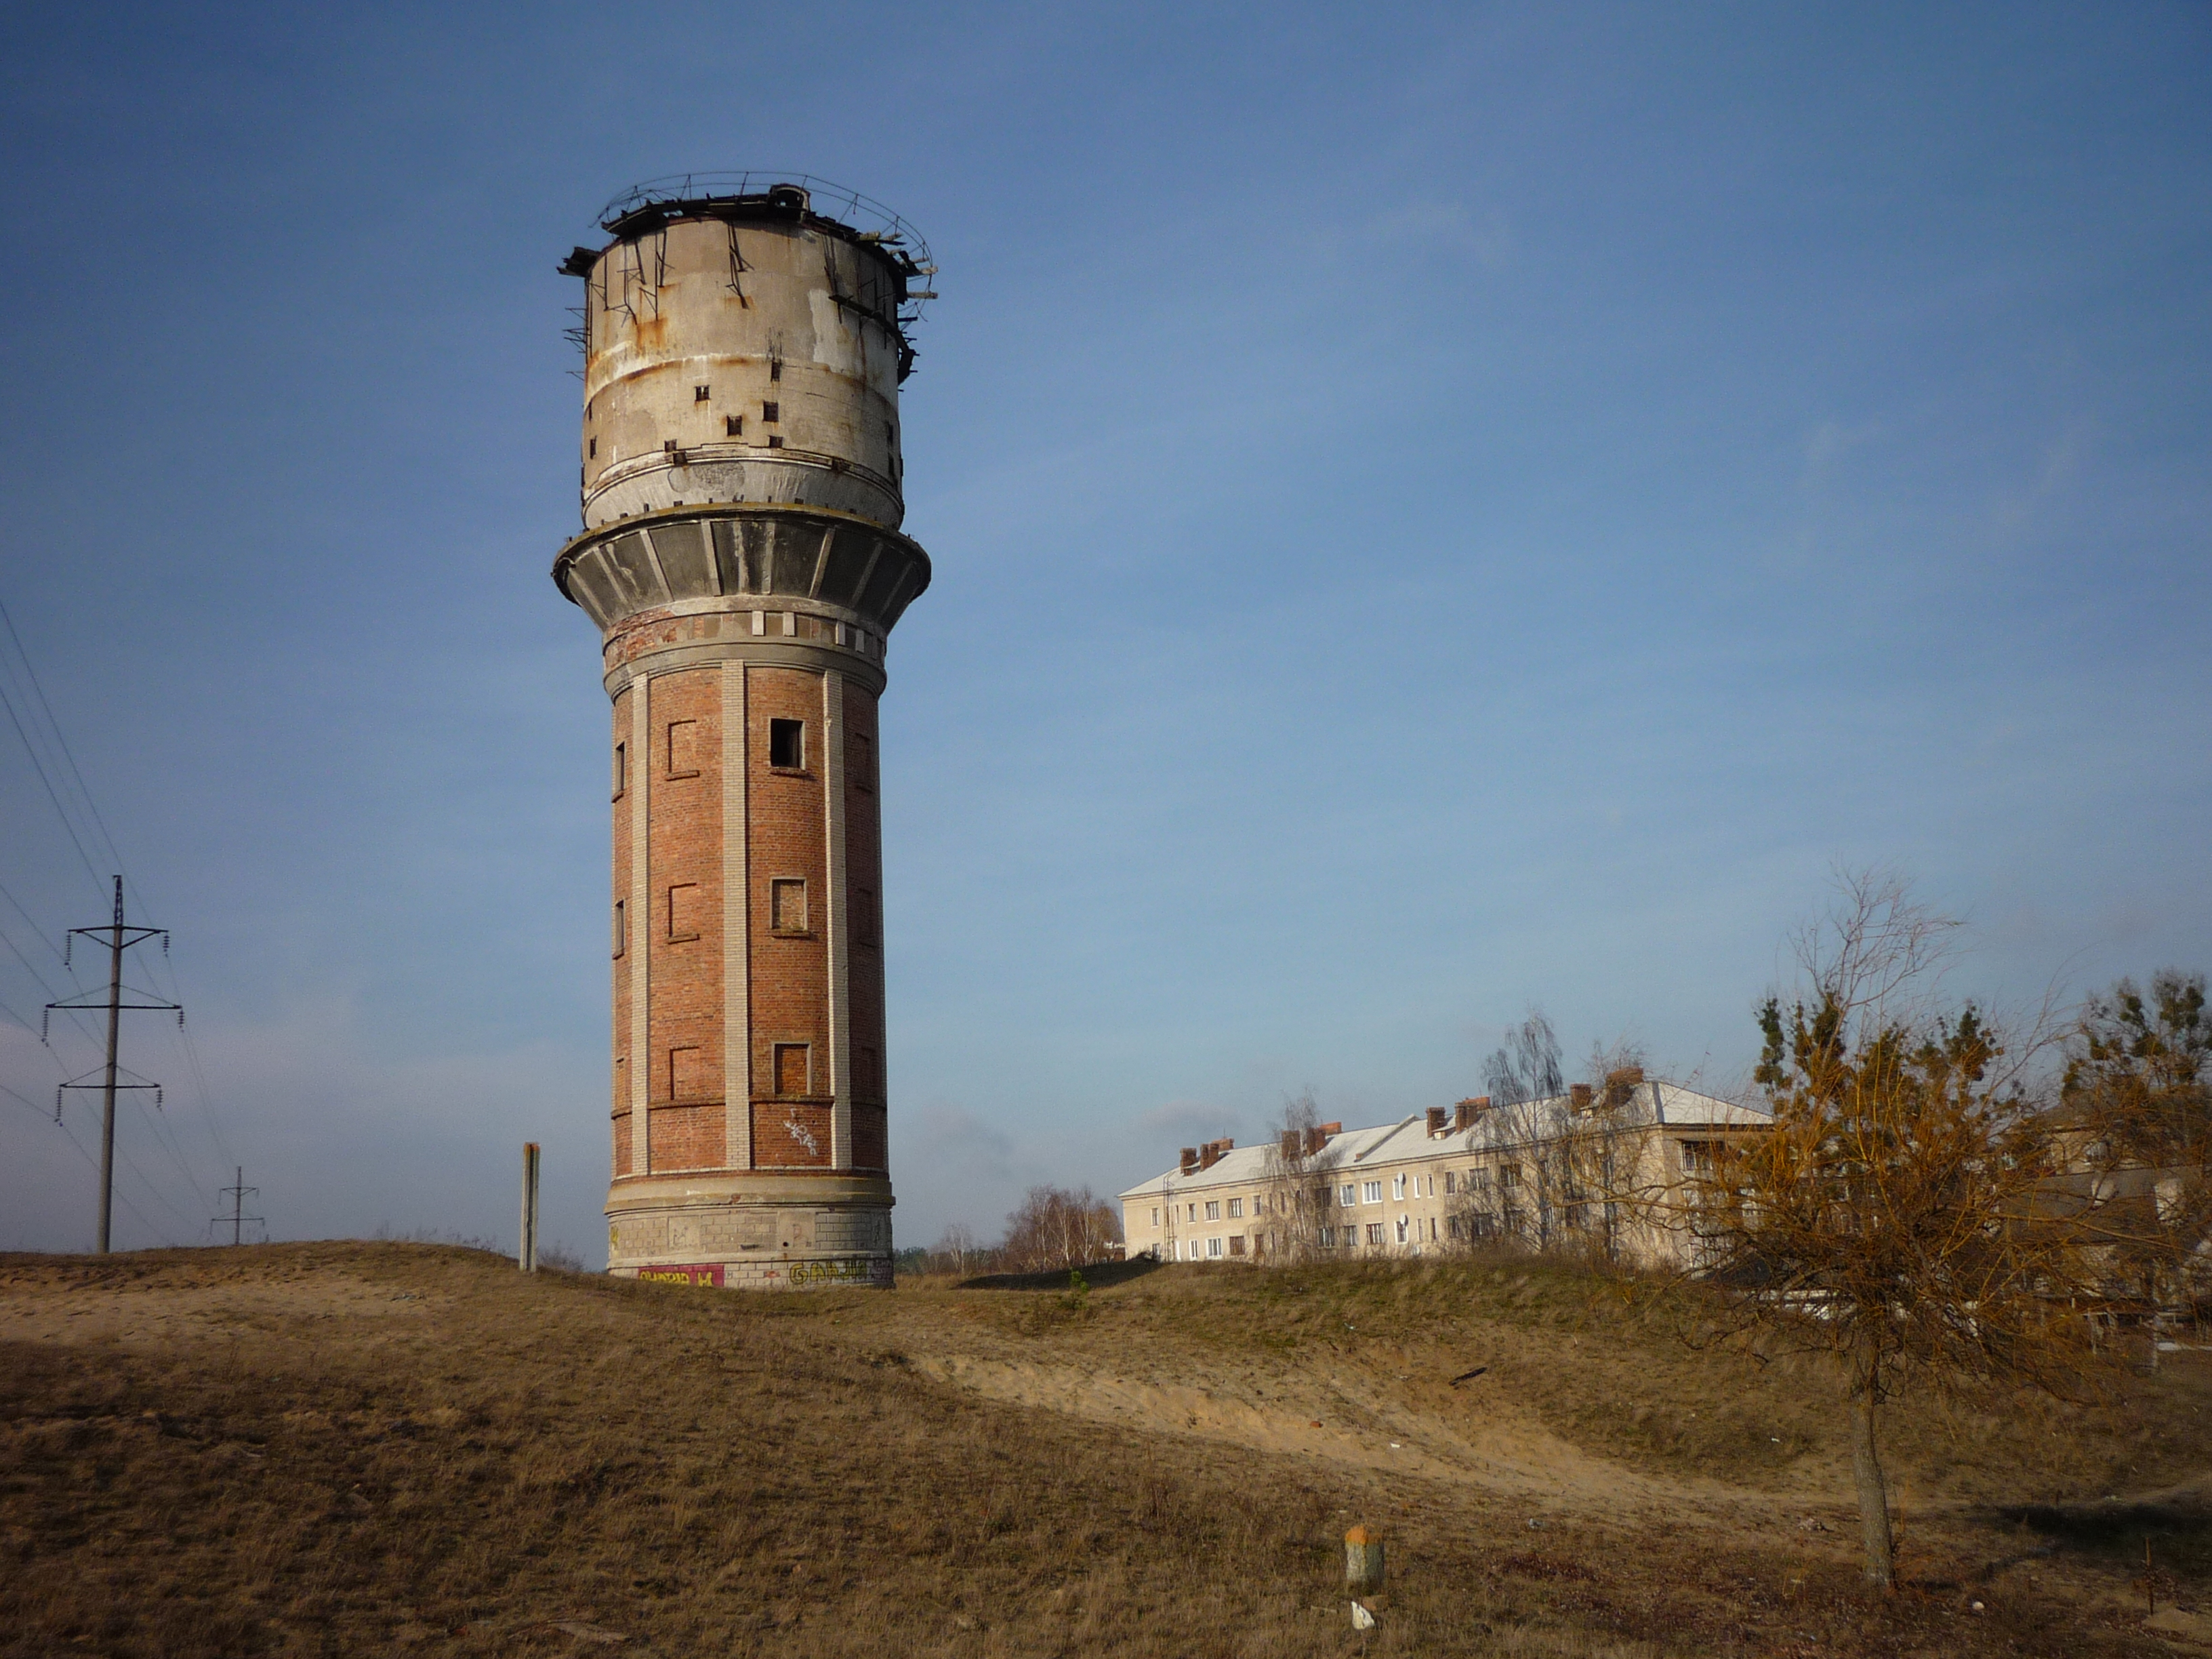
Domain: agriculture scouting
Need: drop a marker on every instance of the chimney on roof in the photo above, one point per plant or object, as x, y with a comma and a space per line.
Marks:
1466, 1111
1437, 1118
1328, 1130
1290, 1143
1209, 1154
1315, 1141
1578, 1097
1188, 1164
1619, 1083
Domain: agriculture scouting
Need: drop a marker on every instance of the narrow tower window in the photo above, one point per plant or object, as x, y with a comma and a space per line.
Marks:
862, 760
683, 749
687, 1075
732, 425
775, 372
593, 452
774, 442
621, 768
683, 911
786, 744
787, 905
792, 1072
700, 393
768, 412
621, 930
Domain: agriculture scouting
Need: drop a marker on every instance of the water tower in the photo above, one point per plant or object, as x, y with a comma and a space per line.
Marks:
744, 338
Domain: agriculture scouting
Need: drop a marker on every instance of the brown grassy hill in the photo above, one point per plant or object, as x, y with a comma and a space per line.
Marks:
354, 1449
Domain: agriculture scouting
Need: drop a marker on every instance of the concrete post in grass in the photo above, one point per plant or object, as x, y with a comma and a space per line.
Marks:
526, 1256
1362, 1561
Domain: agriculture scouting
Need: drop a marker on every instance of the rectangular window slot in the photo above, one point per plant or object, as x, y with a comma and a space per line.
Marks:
684, 910
668, 445
770, 413
793, 1072
787, 905
622, 929
621, 769
683, 749
775, 372
774, 442
700, 393
593, 450
863, 762
687, 1075
786, 741
732, 425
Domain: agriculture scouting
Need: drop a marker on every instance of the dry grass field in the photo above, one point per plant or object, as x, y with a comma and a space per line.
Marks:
363, 1449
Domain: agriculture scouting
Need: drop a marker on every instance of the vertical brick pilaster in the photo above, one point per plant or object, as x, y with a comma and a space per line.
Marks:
737, 927
640, 913
838, 919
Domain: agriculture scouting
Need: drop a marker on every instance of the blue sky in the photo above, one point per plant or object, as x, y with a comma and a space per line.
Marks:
1434, 511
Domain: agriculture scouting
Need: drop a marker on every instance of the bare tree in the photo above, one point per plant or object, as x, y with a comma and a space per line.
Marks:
1527, 1080
1896, 1217
957, 1250
1056, 1228
1526, 1065
1295, 1189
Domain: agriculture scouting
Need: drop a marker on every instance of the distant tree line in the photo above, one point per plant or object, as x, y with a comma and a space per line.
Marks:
1052, 1228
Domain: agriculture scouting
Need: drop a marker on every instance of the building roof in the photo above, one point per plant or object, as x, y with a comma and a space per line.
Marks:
1650, 1104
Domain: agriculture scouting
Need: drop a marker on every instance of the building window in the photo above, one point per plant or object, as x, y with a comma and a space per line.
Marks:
1235, 1209
621, 769
592, 453
683, 749
1348, 1196
700, 393
1193, 1213
1193, 1249
684, 910
1398, 1188
787, 905
1328, 1236
1374, 1232
1450, 1183
795, 1069
687, 1074
733, 426
771, 412
1235, 1243
786, 743
1401, 1230
1696, 1158
1156, 1215
1509, 1175
622, 929
774, 441
1213, 1209
1371, 1193
1214, 1247
775, 372
863, 760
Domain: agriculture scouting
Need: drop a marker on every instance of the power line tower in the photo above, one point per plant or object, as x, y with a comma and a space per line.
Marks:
238, 1216
118, 939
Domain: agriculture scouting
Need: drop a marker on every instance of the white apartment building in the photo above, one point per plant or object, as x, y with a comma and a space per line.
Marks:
1544, 1171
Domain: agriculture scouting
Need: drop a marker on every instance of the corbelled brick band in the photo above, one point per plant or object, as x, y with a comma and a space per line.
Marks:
744, 609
